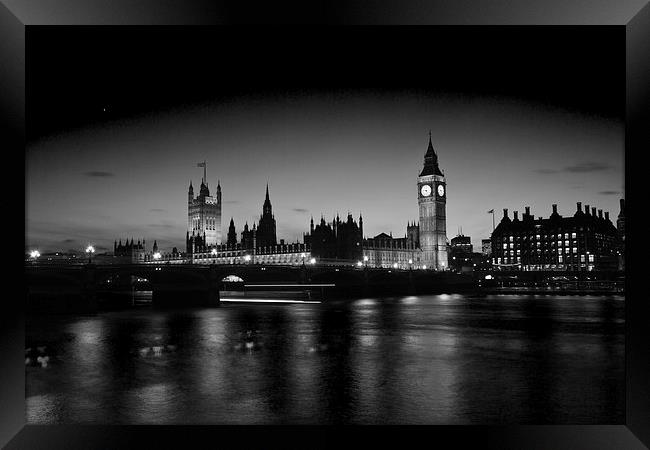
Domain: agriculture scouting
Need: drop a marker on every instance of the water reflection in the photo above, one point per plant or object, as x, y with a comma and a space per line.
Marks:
428, 359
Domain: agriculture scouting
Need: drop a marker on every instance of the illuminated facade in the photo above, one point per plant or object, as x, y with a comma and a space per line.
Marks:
388, 252
203, 215
584, 241
432, 199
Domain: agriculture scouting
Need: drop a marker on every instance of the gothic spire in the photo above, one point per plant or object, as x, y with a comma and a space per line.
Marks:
430, 161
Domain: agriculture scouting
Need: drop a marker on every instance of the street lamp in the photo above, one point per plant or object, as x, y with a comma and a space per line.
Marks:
424, 267
359, 263
312, 261
90, 250
247, 258
394, 265
34, 254
302, 255
156, 256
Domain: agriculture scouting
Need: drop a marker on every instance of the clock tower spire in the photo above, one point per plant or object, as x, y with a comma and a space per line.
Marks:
432, 202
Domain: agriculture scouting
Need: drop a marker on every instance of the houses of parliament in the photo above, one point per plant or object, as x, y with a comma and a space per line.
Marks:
341, 241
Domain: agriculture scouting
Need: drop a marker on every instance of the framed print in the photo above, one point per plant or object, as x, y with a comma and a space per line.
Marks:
296, 227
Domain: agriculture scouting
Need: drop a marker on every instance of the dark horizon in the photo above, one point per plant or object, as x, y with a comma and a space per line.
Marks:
114, 138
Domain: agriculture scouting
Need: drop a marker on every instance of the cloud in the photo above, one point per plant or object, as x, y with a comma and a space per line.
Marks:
99, 174
300, 210
160, 225
68, 241
231, 202
587, 167
609, 192
157, 210
584, 167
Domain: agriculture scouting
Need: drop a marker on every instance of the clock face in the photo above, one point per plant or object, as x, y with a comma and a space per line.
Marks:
426, 190
441, 190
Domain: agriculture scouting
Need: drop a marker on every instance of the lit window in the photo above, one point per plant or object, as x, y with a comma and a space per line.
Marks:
537, 237
573, 235
566, 235
559, 258
591, 258
505, 245
566, 243
511, 238
566, 250
559, 243
519, 252
575, 249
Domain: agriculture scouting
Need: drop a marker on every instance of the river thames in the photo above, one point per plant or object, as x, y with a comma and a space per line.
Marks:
436, 359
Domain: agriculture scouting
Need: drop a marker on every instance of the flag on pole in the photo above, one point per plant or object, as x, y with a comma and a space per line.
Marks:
202, 164
490, 211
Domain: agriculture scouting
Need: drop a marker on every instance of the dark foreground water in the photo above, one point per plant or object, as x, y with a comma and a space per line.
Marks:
446, 359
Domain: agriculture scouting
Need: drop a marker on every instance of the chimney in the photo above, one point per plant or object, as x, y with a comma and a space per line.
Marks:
505, 213
593, 211
579, 208
528, 210
554, 208
587, 209
516, 213
606, 215
600, 213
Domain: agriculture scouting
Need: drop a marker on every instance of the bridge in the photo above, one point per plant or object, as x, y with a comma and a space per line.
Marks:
84, 286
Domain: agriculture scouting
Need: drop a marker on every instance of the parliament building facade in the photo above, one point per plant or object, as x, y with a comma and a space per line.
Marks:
423, 246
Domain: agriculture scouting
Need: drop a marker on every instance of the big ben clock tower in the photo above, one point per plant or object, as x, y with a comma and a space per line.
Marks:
432, 200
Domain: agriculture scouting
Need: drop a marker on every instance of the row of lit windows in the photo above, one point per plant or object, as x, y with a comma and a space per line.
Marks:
546, 236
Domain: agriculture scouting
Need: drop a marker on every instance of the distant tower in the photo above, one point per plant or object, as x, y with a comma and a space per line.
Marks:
620, 221
432, 200
232, 235
204, 212
361, 225
265, 233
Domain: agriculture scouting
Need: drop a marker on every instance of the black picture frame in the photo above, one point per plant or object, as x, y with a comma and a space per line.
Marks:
15, 16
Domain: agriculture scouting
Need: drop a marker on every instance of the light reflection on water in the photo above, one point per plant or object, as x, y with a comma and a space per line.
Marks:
426, 359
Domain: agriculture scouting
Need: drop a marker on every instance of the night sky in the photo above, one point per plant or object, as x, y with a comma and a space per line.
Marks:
335, 120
